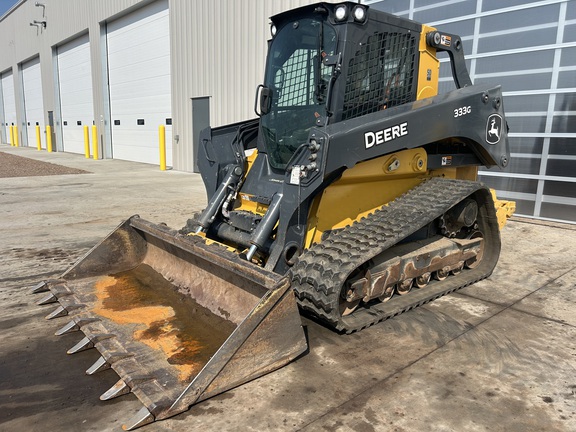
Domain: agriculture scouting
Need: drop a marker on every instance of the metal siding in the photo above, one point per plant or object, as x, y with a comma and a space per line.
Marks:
218, 50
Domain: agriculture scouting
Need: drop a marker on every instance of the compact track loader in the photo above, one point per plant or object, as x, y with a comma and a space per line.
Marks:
354, 195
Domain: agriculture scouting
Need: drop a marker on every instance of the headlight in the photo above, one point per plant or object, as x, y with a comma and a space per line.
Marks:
341, 13
359, 13
273, 30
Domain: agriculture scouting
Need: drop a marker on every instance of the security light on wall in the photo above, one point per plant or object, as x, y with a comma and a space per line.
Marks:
39, 23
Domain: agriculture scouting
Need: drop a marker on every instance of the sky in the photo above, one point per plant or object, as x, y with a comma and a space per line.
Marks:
5, 5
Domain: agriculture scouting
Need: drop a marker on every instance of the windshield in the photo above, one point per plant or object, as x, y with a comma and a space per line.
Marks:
298, 81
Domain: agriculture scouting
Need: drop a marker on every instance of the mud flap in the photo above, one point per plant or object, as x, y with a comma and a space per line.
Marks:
178, 319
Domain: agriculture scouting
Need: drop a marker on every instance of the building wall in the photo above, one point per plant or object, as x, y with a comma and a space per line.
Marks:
528, 47
222, 57
217, 51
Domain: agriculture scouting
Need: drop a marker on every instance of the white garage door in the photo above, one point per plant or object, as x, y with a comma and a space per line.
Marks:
75, 78
139, 80
33, 103
8, 104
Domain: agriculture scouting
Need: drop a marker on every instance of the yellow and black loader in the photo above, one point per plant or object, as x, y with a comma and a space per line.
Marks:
353, 197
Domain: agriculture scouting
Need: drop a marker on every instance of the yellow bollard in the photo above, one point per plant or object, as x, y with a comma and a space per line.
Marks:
38, 139
95, 142
49, 138
12, 135
162, 138
86, 142
15, 136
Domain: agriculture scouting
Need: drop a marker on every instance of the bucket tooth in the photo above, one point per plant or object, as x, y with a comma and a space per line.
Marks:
142, 417
100, 365
74, 325
40, 287
58, 312
84, 344
118, 389
50, 298
88, 342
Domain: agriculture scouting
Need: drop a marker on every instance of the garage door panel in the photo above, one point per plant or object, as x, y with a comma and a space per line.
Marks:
140, 18
128, 43
148, 20
76, 96
77, 83
124, 45
76, 72
75, 60
73, 48
75, 53
76, 109
138, 147
74, 134
142, 72
130, 58
73, 118
138, 111
139, 83
142, 88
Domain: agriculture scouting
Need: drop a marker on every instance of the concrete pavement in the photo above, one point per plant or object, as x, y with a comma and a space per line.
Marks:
499, 355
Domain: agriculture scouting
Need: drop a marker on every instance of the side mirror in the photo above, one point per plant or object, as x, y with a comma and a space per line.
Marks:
263, 100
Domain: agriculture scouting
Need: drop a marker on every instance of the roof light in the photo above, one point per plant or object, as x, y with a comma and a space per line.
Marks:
341, 13
359, 13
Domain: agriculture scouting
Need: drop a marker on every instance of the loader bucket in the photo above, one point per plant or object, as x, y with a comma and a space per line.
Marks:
178, 319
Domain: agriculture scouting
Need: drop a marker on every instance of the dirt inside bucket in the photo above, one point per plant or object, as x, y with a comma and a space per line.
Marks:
163, 318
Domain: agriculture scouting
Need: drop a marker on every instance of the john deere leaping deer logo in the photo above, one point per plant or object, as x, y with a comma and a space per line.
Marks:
494, 129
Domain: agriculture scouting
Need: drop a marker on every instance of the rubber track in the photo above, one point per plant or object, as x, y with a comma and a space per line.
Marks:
318, 276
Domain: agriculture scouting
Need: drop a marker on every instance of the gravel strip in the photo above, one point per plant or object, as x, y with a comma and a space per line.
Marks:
18, 166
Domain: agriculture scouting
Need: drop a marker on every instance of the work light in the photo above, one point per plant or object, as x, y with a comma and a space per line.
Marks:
359, 13
341, 12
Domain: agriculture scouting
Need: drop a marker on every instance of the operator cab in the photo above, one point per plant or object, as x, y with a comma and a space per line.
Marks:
326, 64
